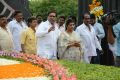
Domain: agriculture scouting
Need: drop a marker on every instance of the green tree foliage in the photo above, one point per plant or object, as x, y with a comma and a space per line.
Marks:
63, 7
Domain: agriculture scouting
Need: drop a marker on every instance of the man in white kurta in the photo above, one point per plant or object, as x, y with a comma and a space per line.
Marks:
16, 27
98, 28
47, 36
89, 39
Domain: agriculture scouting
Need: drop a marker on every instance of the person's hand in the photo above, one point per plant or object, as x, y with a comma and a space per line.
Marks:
77, 44
51, 29
70, 44
22, 51
74, 44
101, 52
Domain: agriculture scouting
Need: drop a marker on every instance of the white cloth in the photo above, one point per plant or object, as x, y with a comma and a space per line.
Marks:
87, 59
47, 42
89, 40
38, 25
16, 30
62, 28
99, 31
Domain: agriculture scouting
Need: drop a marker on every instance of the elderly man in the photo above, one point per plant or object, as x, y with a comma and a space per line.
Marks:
89, 39
47, 36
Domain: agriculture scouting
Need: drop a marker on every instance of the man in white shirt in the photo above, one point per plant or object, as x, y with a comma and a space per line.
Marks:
98, 28
89, 39
39, 19
100, 35
16, 27
61, 23
47, 36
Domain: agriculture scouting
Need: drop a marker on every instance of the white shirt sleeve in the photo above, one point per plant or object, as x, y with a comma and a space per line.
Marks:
41, 31
101, 32
116, 29
97, 44
10, 27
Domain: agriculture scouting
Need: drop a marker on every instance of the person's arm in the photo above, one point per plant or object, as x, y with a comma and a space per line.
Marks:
23, 49
101, 33
110, 37
43, 30
73, 44
97, 43
10, 27
116, 30
23, 39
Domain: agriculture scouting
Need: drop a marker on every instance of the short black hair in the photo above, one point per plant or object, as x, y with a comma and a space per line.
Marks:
31, 19
1, 16
68, 22
52, 11
62, 17
84, 15
16, 12
38, 16
92, 16
73, 18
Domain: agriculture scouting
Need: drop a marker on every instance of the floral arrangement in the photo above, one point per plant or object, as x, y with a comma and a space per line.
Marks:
96, 8
57, 71
24, 70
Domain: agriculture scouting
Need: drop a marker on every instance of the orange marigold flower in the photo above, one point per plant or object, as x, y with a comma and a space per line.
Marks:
98, 3
21, 70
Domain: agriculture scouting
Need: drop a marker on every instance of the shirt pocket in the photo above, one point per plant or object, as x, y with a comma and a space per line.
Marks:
31, 39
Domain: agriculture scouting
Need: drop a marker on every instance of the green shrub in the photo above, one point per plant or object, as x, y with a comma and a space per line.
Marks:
91, 71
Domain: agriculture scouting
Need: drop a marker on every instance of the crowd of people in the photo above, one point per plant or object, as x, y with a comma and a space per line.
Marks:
90, 42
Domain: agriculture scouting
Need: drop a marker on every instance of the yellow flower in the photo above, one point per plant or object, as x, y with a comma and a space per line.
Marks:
96, 8
101, 12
